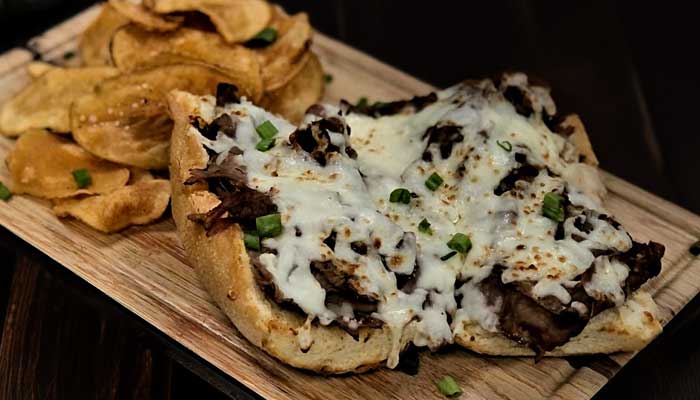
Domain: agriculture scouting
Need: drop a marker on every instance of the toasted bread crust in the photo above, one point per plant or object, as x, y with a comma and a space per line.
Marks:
223, 265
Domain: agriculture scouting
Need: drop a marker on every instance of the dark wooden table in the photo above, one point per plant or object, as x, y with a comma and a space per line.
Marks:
626, 70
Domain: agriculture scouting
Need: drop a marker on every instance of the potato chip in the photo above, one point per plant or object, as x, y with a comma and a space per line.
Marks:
126, 118
134, 48
139, 175
36, 69
45, 103
137, 204
236, 20
293, 99
94, 42
135, 11
283, 59
42, 164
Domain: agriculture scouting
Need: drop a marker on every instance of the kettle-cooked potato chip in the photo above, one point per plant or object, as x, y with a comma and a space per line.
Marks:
293, 99
36, 69
139, 175
45, 102
126, 118
137, 204
42, 164
94, 42
285, 57
133, 48
236, 20
135, 11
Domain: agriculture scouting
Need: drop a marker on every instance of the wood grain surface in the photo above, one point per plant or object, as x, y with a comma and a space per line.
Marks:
145, 269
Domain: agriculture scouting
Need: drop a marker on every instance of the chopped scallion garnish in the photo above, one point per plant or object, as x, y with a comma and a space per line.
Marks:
328, 78
264, 37
265, 144
68, 55
449, 387
400, 195
553, 207
251, 241
266, 130
269, 225
460, 242
434, 181
5, 193
448, 256
424, 227
362, 103
695, 248
505, 145
82, 178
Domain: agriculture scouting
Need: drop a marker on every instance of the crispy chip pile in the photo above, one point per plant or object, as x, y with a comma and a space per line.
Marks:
111, 111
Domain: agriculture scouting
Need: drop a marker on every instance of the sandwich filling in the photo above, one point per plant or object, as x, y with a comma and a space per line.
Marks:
467, 206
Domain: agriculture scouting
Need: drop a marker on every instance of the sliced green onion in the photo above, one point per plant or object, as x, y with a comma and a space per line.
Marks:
695, 248
265, 144
82, 178
424, 227
68, 55
5, 193
328, 78
266, 130
505, 145
400, 195
434, 181
448, 256
553, 207
269, 225
448, 387
460, 242
251, 241
362, 103
266, 36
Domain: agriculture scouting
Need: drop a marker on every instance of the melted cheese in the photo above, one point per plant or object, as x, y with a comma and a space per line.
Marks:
351, 197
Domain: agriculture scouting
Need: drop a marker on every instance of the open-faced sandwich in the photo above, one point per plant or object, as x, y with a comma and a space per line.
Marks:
473, 216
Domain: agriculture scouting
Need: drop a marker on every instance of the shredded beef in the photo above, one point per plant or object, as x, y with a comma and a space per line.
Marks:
359, 248
340, 288
315, 139
407, 282
330, 240
226, 93
543, 324
242, 207
228, 170
223, 123
239, 203
525, 173
445, 135
317, 110
380, 109
527, 322
519, 100
265, 279
644, 261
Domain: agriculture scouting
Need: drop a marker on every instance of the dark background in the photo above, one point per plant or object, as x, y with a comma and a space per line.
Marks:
629, 69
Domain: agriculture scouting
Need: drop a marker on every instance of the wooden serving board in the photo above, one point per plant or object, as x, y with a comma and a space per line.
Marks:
144, 268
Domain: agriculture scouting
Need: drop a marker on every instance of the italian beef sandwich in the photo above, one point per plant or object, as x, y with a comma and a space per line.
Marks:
473, 215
